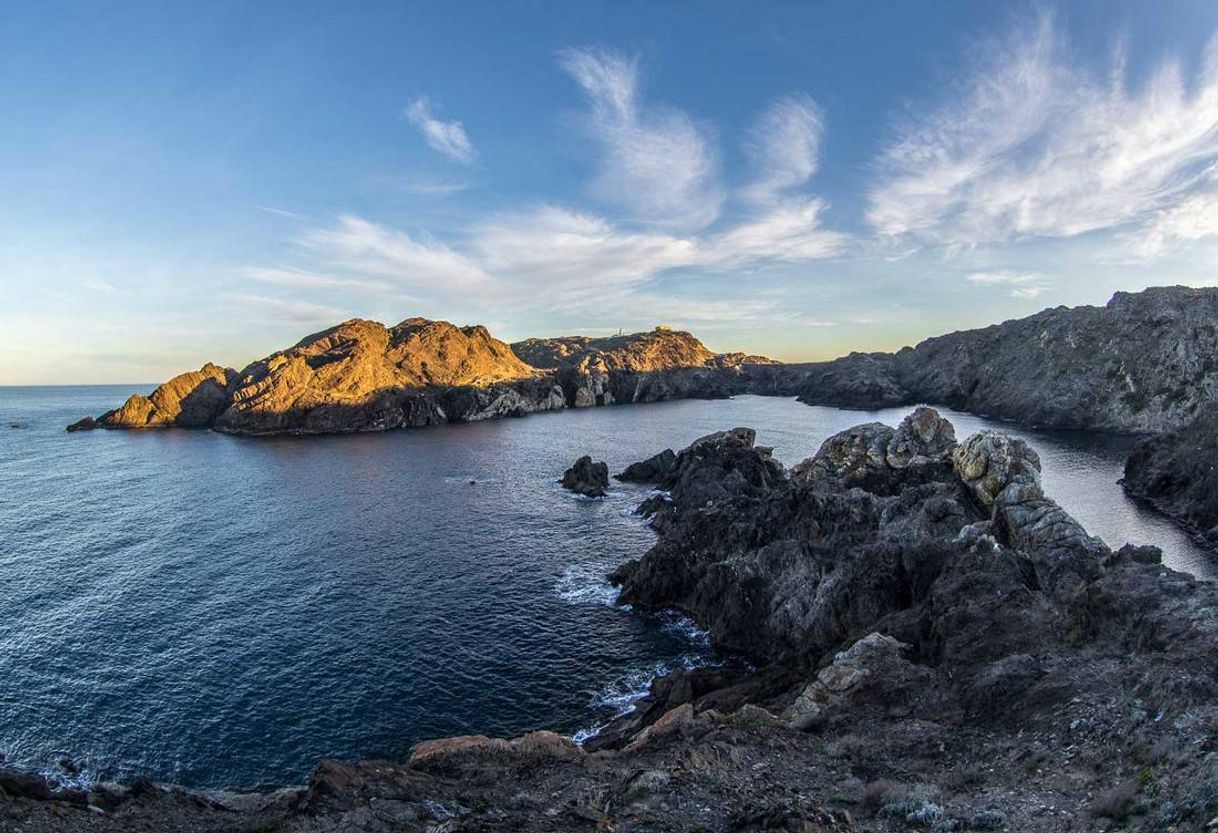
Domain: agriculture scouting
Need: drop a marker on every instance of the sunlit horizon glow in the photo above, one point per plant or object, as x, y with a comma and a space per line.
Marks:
212, 184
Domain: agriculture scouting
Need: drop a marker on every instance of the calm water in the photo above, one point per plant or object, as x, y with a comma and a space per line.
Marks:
212, 610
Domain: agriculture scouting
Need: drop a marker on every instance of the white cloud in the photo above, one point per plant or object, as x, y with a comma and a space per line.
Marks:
1033, 145
1193, 218
360, 248
291, 309
790, 231
658, 162
785, 147
1023, 285
446, 137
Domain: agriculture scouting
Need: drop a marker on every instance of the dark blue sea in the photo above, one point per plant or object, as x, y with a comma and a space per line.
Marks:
214, 611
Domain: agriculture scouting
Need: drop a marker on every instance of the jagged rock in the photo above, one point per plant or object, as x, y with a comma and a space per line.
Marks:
652, 470
587, 478
188, 400
877, 458
84, 424
1177, 471
988, 462
921, 437
1143, 362
456, 754
855, 457
849, 670
1003, 473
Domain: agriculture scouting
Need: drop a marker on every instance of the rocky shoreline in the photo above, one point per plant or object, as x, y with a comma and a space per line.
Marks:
934, 645
1145, 363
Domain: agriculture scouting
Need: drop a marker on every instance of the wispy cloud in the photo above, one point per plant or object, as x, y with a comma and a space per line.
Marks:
281, 212
785, 147
1034, 145
424, 188
1022, 285
446, 137
290, 309
657, 162
358, 247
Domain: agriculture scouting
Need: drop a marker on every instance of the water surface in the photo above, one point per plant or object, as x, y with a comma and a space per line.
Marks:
214, 611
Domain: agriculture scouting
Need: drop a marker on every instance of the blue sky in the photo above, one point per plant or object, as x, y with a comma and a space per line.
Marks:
192, 182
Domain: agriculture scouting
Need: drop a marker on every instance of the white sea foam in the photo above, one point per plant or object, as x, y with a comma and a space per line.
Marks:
586, 584
620, 695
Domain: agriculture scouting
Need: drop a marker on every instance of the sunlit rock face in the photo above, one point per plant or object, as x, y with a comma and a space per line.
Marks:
363, 376
189, 400
1146, 361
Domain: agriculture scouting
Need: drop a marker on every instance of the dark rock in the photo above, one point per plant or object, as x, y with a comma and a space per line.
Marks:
1144, 362
23, 784
1177, 471
587, 478
652, 470
85, 424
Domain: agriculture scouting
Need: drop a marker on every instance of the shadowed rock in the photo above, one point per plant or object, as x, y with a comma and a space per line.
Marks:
1178, 472
587, 478
1143, 362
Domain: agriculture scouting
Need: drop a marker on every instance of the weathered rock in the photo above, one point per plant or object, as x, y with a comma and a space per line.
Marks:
922, 436
189, 400
1143, 362
587, 478
652, 470
363, 376
458, 754
1177, 471
848, 671
85, 424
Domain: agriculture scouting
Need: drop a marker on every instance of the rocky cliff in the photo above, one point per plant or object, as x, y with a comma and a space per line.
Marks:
363, 376
934, 643
651, 366
1144, 362
1177, 471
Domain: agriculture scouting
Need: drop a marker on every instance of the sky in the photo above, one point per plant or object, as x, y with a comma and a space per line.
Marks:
182, 183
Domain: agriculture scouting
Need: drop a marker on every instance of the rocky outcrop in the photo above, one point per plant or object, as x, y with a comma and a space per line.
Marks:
1177, 471
1144, 362
188, 400
587, 478
653, 366
363, 376
652, 470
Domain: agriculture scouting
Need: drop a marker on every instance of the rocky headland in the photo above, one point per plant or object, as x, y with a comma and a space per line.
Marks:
363, 376
927, 642
1144, 362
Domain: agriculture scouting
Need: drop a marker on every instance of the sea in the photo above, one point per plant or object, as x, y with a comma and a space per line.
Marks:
217, 611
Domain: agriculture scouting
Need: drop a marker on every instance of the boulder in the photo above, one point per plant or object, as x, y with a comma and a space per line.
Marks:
587, 478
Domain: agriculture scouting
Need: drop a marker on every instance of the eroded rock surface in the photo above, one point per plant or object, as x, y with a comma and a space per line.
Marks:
363, 376
1178, 472
587, 478
1146, 361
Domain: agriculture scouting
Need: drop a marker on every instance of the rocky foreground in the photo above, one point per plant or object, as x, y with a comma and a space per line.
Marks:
363, 376
934, 645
